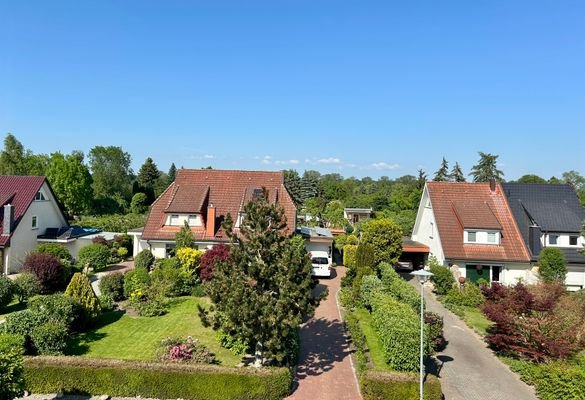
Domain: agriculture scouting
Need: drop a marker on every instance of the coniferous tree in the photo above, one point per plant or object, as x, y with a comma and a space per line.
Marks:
457, 173
184, 238
147, 178
442, 174
421, 180
292, 182
172, 174
310, 185
486, 168
81, 291
12, 156
262, 293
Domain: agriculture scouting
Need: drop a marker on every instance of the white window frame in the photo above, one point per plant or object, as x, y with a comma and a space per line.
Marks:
492, 235
41, 196
174, 220
192, 219
35, 222
576, 240
432, 230
474, 236
556, 242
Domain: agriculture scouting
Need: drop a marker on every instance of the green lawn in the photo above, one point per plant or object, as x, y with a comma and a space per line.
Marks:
12, 307
120, 336
472, 316
372, 339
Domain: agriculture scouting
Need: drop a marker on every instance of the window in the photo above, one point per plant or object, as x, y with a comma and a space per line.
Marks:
496, 273
573, 240
491, 237
472, 236
174, 220
552, 239
432, 230
39, 196
35, 222
192, 220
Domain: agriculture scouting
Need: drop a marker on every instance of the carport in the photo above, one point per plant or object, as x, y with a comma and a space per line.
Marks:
414, 253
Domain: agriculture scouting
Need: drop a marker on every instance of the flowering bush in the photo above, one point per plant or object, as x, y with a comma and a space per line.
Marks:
189, 350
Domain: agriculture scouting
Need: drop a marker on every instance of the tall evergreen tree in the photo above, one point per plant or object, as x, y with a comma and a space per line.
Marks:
442, 174
310, 185
12, 156
147, 179
421, 180
457, 174
292, 182
262, 294
172, 174
486, 168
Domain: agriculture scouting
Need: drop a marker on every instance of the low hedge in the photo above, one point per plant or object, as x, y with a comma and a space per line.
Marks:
397, 386
78, 375
398, 287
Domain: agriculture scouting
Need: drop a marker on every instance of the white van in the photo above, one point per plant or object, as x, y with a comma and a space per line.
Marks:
321, 264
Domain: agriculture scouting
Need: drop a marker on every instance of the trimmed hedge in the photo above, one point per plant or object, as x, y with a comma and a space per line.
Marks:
153, 380
398, 386
398, 288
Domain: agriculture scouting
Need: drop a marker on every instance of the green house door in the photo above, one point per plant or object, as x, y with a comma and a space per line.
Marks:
473, 273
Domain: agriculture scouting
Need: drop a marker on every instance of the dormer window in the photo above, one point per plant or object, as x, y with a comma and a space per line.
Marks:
491, 237
553, 239
174, 220
573, 240
192, 220
480, 236
472, 236
39, 196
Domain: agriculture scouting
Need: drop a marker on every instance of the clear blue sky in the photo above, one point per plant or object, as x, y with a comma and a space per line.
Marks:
356, 87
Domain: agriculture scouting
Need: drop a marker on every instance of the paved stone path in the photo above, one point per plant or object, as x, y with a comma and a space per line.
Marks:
325, 370
467, 368
122, 267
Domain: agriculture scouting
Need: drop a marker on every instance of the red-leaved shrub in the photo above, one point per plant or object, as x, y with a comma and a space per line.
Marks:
539, 323
100, 240
219, 252
48, 269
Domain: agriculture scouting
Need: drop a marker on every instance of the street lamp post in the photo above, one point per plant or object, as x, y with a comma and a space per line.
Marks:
422, 276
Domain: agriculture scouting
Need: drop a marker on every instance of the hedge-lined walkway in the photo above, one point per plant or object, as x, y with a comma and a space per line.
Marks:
467, 368
325, 370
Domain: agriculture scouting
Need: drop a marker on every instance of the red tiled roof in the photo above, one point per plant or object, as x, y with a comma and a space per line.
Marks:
474, 205
19, 191
228, 191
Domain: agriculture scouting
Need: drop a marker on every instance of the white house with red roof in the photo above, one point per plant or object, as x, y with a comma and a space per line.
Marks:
203, 198
28, 207
471, 226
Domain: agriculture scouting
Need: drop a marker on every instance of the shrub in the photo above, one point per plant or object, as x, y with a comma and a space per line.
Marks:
50, 338
26, 285
139, 203
57, 250
47, 269
58, 308
469, 296
150, 380
184, 238
398, 287
189, 258
435, 323
113, 222
358, 339
106, 302
136, 279
398, 386
7, 291
172, 280
370, 285
113, 285
552, 266
364, 257
148, 302
144, 259
349, 255
219, 252
385, 237
80, 290
124, 240
185, 350
100, 240
442, 279
227, 341
95, 256
122, 252
11, 367
540, 323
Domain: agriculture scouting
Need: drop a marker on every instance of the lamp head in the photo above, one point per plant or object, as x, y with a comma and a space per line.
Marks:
422, 275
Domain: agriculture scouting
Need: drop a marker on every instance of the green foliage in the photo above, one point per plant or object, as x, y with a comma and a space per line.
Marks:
111, 172
148, 304
148, 176
531, 179
370, 284
26, 285
149, 380
171, 175
486, 168
469, 296
122, 252
385, 237
552, 266
95, 256
174, 281
137, 279
333, 214
237, 346
265, 291
7, 291
144, 259
349, 255
114, 222
106, 302
59, 308
50, 338
80, 290
70, 179
184, 238
189, 258
365, 257
358, 339
56, 250
442, 279
442, 175
456, 174
292, 182
435, 325
113, 285
398, 287
139, 203
398, 386
11, 367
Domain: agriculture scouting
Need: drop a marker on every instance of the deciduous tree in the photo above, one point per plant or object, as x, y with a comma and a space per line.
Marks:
111, 172
71, 181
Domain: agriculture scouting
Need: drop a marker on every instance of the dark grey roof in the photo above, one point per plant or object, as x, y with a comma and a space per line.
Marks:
573, 255
309, 232
67, 232
554, 208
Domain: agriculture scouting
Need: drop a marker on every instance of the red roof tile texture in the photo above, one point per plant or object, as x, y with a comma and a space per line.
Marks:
474, 205
227, 191
19, 191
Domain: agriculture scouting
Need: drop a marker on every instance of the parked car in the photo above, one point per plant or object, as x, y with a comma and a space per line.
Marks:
321, 264
403, 266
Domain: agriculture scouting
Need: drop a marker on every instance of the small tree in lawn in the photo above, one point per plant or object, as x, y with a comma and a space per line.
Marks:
552, 266
184, 238
81, 291
262, 293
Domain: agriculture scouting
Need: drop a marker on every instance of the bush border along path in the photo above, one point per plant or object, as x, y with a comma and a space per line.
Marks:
78, 375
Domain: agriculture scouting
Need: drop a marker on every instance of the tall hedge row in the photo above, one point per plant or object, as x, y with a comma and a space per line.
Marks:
153, 380
398, 386
397, 287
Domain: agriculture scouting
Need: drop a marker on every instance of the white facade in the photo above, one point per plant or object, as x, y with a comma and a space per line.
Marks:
572, 240
509, 273
46, 214
425, 228
322, 248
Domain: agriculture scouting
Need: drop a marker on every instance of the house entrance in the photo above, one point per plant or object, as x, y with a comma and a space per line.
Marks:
475, 272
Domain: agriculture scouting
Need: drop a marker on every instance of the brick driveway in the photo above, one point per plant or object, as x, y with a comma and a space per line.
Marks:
325, 369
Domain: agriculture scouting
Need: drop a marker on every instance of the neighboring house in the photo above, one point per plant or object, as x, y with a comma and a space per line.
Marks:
550, 216
355, 215
471, 226
203, 198
73, 238
28, 207
318, 240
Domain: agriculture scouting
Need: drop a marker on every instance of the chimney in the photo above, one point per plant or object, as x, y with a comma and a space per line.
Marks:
534, 234
493, 185
211, 220
8, 222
